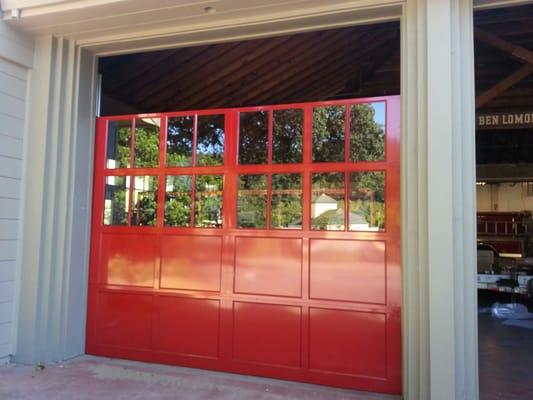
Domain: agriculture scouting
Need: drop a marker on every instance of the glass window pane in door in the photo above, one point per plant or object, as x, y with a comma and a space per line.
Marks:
116, 200
286, 203
178, 200
210, 140
147, 142
253, 137
287, 136
328, 133
367, 132
144, 204
118, 144
367, 201
208, 201
180, 133
252, 201
327, 207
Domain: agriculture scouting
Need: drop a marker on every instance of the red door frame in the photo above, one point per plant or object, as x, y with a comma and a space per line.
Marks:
390, 309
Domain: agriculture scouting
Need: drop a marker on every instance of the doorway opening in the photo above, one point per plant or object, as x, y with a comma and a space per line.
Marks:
246, 208
504, 154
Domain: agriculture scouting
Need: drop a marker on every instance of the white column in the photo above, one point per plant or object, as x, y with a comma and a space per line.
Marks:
438, 196
57, 203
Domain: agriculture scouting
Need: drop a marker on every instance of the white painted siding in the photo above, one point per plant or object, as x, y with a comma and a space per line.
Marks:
13, 82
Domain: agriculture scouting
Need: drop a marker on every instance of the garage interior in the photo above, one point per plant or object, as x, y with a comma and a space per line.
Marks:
504, 154
364, 61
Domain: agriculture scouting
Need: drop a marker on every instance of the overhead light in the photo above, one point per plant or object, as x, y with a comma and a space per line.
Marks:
210, 10
481, 183
15, 13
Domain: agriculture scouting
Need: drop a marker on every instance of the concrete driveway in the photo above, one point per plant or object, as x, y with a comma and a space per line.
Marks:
92, 378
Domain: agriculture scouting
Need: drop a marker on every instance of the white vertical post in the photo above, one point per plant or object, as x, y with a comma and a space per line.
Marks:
438, 197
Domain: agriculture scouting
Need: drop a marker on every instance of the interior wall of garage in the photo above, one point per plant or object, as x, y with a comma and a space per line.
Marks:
438, 215
505, 196
16, 54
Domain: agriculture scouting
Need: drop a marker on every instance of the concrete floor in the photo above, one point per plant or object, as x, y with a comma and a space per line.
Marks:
93, 378
505, 359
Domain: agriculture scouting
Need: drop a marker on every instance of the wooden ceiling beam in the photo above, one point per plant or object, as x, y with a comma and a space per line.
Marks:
206, 90
269, 75
503, 85
518, 52
331, 66
238, 71
178, 85
152, 89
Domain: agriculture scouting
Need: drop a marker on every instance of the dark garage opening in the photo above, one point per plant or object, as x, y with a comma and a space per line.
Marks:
504, 154
361, 61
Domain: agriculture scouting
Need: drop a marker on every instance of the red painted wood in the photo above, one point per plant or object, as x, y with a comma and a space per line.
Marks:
300, 304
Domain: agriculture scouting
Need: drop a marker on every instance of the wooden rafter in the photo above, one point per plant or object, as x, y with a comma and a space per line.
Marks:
518, 52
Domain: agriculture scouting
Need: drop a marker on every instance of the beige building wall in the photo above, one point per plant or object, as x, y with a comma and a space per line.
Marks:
504, 197
14, 62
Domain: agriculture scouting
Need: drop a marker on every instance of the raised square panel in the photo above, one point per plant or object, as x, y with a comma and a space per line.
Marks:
188, 326
124, 320
267, 334
347, 270
347, 342
268, 266
129, 259
191, 262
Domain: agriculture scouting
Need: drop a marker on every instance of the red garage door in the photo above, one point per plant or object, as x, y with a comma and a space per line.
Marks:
261, 240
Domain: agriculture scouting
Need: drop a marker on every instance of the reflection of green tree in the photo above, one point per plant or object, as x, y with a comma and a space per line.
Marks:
328, 133
253, 137
146, 146
180, 132
367, 137
252, 201
286, 207
123, 148
178, 202
367, 197
210, 140
287, 136
208, 201
119, 214
147, 209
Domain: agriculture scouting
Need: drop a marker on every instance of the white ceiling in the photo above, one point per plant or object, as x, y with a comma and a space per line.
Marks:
92, 20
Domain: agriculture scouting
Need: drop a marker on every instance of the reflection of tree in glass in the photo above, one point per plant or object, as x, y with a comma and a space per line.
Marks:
116, 212
328, 201
328, 133
252, 201
253, 137
367, 136
208, 201
146, 145
145, 201
178, 200
287, 136
367, 197
210, 140
286, 203
180, 131
124, 147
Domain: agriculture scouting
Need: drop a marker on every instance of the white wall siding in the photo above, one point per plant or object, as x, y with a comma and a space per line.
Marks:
13, 83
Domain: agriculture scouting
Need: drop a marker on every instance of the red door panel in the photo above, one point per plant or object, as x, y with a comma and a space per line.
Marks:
187, 326
262, 240
348, 270
191, 262
267, 334
268, 266
349, 342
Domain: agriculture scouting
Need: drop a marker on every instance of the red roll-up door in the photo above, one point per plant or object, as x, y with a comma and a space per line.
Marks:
262, 241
